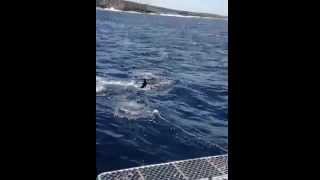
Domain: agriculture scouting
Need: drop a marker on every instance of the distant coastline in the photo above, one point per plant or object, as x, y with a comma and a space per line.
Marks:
123, 5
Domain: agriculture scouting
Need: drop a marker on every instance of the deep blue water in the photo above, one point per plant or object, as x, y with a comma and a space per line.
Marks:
183, 111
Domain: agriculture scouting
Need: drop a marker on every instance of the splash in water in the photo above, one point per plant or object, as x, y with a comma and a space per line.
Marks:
114, 86
155, 83
133, 110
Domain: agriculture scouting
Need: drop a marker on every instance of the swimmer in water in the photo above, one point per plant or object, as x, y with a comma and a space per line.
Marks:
144, 83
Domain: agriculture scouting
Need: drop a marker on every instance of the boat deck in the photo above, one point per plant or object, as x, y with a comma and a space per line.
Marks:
205, 168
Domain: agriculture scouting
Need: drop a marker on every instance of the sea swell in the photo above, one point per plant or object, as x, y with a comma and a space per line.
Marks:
182, 112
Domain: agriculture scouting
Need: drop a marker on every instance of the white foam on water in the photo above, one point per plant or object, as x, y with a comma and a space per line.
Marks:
134, 12
112, 9
105, 85
156, 114
109, 133
155, 82
154, 14
121, 83
177, 15
99, 84
132, 110
127, 104
117, 10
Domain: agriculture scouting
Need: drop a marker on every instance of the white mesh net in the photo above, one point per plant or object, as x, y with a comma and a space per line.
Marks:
206, 168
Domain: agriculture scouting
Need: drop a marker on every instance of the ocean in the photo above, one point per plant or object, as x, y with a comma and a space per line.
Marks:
182, 112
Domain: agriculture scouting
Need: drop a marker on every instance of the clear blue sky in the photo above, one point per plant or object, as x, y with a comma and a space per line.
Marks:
209, 6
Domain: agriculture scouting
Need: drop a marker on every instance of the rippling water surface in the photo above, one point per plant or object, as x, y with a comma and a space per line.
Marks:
183, 111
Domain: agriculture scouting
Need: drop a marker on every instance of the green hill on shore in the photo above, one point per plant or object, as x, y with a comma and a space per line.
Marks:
145, 8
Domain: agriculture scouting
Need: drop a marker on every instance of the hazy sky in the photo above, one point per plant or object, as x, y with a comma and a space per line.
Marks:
210, 6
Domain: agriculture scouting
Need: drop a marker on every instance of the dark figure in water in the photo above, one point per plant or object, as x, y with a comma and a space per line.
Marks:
144, 83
